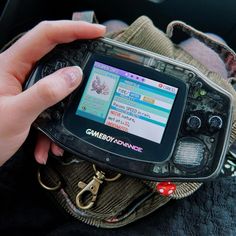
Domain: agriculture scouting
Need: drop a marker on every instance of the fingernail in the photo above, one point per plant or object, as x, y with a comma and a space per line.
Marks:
44, 158
58, 151
44, 161
100, 26
41, 158
73, 75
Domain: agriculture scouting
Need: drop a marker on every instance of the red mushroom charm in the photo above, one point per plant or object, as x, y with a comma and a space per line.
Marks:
166, 188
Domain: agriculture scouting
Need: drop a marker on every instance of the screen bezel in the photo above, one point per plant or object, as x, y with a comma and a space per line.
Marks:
151, 151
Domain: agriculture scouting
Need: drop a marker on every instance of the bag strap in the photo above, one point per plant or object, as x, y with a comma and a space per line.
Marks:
88, 16
227, 55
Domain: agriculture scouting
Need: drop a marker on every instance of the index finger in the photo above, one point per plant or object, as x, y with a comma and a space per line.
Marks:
20, 57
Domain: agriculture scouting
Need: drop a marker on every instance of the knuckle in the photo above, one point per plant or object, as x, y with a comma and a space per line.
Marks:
46, 92
46, 27
45, 24
49, 30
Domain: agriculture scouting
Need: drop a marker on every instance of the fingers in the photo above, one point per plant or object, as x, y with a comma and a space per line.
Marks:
57, 151
43, 38
45, 93
42, 148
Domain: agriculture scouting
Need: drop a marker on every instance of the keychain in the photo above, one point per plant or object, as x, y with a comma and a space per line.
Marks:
92, 187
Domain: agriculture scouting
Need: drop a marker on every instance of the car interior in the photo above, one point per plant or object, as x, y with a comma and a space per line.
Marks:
208, 16
210, 211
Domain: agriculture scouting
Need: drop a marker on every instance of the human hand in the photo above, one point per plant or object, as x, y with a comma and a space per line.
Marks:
19, 108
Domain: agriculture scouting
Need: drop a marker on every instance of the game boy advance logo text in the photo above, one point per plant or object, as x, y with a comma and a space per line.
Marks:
111, 139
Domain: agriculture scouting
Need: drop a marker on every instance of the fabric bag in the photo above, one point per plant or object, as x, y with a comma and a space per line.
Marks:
126, 199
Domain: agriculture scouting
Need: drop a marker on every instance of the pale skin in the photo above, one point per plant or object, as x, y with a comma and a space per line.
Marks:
19, 109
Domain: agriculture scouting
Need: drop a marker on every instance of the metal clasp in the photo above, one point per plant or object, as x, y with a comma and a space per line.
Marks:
92, 187
54, 188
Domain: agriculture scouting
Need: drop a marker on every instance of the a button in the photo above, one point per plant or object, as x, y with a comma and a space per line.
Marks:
191, 75
165, 188
83, 47
194, 123
47, 70
93, 45
215, 123
61, 64
56, 115
78, 56
53, 66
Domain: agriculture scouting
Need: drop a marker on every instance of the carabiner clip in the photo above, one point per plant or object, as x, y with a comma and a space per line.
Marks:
92, 187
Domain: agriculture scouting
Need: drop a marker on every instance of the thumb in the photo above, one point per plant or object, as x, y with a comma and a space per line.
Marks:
47, 92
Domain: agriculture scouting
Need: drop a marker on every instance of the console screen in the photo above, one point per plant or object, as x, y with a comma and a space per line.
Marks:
127, 101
